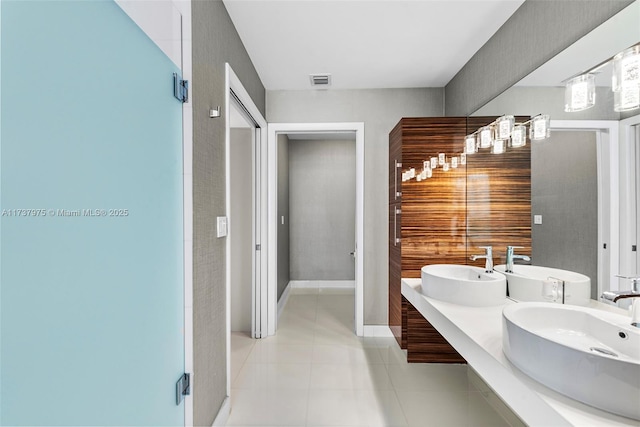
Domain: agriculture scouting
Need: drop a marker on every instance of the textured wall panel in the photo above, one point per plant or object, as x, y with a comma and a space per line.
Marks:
322, 207
215, 42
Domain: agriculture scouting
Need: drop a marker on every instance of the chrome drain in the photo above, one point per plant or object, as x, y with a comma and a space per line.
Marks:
603, 351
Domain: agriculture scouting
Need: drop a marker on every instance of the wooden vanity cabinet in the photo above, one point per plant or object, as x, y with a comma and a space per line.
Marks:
426, 219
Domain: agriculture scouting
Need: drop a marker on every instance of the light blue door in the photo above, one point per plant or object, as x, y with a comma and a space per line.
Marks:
91, 282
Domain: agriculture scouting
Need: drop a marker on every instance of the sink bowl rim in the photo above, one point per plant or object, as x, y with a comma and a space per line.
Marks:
617, 320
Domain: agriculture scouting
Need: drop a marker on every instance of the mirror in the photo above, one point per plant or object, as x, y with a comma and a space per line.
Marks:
576, 188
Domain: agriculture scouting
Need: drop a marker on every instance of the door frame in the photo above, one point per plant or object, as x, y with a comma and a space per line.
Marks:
629, 261
259, 307
272, 283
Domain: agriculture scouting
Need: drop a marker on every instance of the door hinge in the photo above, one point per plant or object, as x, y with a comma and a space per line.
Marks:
258, 247
634, 248
183, 388
180, 88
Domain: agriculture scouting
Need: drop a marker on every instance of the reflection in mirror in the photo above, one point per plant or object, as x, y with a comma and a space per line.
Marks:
576, 185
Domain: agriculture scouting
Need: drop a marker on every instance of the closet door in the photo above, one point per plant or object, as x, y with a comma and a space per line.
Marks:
91, 200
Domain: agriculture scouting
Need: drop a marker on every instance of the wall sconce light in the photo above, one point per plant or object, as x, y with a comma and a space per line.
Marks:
498, 146
580, 93
519, 136
485, 137
434, 162
454, 162
470, 145
625, 81
540, 127
442, 158
463, 158
504, 127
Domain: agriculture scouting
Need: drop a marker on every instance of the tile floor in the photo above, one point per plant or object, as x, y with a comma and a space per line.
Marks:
316, 372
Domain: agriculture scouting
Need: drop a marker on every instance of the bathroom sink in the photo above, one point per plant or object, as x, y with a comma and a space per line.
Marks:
586, 354
464, 285
525, 284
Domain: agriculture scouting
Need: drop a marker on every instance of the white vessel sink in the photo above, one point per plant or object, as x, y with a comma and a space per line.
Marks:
525, 284
464, 285
586, 354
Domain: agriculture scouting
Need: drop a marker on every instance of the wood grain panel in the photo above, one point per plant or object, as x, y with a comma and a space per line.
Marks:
498, 198
424, 342
395, 291
434, 210
395, 155
405, 329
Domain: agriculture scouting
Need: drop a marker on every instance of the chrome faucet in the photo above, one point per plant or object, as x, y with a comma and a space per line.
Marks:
615, 296
511, 256
488, 266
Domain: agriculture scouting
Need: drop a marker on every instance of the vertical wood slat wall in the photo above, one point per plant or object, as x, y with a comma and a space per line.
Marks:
443, 219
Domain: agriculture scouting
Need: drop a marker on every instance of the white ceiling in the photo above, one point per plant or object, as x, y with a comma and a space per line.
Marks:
365, 43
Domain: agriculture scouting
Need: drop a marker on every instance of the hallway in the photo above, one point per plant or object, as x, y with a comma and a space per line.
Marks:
316, 372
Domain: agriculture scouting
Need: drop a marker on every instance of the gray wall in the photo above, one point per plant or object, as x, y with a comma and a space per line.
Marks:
564, 182
322, 205
529, 101
283, 211
538, 30
215, 41
241, 228
380, 110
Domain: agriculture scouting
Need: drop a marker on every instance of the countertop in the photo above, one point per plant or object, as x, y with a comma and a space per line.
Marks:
476, 333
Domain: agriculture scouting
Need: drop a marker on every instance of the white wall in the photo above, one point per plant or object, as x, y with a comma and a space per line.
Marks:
380, 110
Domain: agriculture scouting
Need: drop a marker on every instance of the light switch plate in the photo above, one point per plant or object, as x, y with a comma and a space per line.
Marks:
537, 219
221, 226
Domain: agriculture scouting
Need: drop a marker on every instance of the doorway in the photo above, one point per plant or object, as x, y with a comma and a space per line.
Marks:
301, 133
246, 215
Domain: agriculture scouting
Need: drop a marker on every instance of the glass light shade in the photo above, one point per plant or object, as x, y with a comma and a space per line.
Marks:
423, 174
504, 127
485, 137
429, 173
442, 159
463, 158
434, 162
626, 68
405, 176
580, 93
540, 127
426, 164
412, 173
470, 144
499, 146
519, 136
454, 162
419, 177
625, 81
445, 167
627, 98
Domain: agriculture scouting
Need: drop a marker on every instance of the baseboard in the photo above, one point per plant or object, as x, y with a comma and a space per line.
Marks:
320, 284
380, 331
223, 413
282, 302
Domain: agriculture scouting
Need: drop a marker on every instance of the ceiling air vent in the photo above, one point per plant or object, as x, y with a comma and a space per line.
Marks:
320, 79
